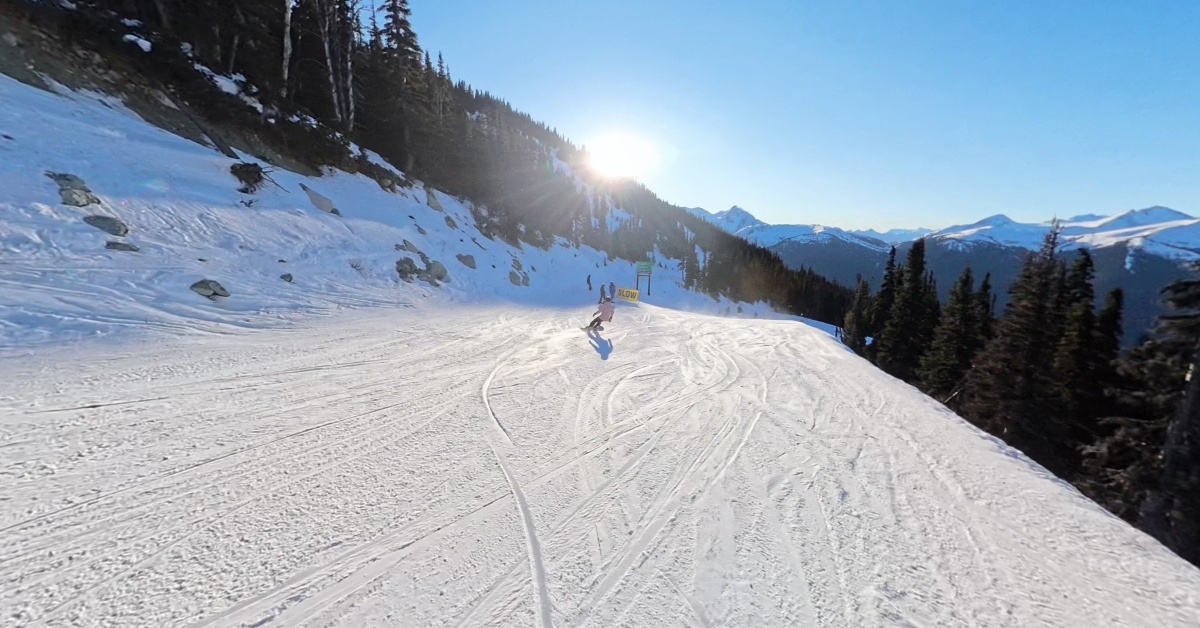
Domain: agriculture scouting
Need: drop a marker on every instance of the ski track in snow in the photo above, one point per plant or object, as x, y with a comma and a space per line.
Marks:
484, 466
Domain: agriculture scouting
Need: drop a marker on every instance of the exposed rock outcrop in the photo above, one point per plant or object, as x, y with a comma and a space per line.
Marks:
108, 225
72, 190
209, 288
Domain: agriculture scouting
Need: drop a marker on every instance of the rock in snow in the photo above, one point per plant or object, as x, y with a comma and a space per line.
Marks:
438, 271
407, 268
72, 190
209, 288
107, 224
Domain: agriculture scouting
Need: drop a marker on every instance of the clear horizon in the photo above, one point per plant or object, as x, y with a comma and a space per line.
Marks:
860, 115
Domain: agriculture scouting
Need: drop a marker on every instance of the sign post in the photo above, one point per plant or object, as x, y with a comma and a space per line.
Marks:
644, 269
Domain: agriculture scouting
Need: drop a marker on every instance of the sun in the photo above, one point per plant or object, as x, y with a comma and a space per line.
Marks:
622, 156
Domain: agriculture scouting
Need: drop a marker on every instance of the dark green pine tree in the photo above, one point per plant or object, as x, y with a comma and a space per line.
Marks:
855, 329
931, 315
985, 310
398, 32
1075, 354
903, 339
1009, 391
954, 341
881, 306
1108, 336
398, 111
1139, 390
1122, 465
1059, 300
1171, 512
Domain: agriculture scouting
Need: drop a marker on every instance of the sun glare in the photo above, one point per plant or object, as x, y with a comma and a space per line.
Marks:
620, 155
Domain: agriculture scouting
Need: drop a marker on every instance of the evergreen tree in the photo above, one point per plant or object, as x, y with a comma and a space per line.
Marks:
904, 337
854, 330
1075, 355
1009, 391
1108, 336
954, 341
1171, 512
881, 306
985, 310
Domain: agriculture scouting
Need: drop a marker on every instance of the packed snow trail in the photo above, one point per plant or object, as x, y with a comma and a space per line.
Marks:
484, 467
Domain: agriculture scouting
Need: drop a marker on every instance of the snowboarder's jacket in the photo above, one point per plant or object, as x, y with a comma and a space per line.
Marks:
605, 311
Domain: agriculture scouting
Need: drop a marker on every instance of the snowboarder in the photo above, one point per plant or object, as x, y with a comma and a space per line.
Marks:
589, 283
612, 290
605, 312
601, 294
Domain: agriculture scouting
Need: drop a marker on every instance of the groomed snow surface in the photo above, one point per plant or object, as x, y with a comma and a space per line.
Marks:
489, 466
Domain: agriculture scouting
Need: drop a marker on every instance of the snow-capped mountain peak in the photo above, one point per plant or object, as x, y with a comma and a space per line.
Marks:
1156, 230
893, 236
734, 219
1156, 215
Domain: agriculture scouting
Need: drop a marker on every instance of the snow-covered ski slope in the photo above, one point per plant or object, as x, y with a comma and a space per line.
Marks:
495, 466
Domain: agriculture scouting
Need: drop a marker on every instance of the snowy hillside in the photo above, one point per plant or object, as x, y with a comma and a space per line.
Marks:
275, 252
494, 466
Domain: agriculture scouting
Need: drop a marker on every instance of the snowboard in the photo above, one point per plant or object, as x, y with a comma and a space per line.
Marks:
601, 328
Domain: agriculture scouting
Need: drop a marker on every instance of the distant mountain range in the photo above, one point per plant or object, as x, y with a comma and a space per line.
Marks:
1140, 251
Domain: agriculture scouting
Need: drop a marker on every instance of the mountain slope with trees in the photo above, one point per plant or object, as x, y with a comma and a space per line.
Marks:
1047, 376
317, 78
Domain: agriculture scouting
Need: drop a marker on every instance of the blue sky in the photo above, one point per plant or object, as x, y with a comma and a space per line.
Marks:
859, 113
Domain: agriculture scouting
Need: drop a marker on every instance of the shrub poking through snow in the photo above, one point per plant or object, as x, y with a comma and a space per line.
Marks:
251, 176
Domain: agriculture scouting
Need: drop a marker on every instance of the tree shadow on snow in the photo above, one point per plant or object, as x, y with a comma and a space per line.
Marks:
602, 346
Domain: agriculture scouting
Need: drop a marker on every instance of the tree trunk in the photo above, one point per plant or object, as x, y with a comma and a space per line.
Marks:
164, 14
287, 47
233, 50
348, 78
324, 19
